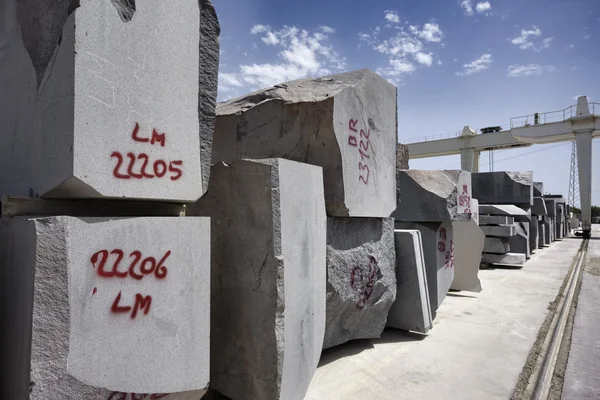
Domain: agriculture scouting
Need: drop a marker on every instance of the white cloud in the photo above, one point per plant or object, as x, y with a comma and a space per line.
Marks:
587, 37
424, 58
301, 54
259, 29
571, 46
478, 65
392, 16
529, 40
466, 7
270, 39
483, 7
431, 32
440, 62
515, 71
407, 48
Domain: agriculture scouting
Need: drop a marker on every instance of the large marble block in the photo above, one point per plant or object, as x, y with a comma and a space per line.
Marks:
345, 123
503, 187
402, 156
468, 246
499, 230
496, 220
411, 311
538, 189
126, 105
542, 234
533, 234
361, 278
432, 195
438, 248
519, 242
99, 305
501, 209
539, 206
498, 245
512, 259
268, 227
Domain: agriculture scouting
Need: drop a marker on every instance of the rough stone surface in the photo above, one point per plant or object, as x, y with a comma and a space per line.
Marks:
539, 206
430, 195
319, 122
402, 156
411, 311
89, 335
496, 220
496, 245
519, 242
550, 206
475, 210
468, 245
503, 187
438, 248
105, 126
517, 259
498, 230
361, 278
538, 189
268, 281
499, 209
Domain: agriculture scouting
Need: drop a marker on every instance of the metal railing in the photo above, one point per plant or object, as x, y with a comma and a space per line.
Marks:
550, 117
517, 122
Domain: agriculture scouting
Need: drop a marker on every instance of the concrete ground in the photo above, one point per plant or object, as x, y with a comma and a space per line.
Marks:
582, 379
476, 349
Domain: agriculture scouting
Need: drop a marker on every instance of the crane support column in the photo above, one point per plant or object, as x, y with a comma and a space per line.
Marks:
469, 160
584, 164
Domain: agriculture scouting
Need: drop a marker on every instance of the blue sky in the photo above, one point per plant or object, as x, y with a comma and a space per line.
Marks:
455, 63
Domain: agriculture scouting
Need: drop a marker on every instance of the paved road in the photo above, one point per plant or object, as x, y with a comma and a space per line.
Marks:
476, 349
582, 379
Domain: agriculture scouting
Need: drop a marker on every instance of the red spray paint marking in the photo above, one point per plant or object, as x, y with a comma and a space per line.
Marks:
364, 284
134, 396
94, 291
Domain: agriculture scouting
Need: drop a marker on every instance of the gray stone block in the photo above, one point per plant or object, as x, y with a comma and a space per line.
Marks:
498, 230
517, 259
77, 313
411, 311
533, 235
475, 210
104, 125
438, 248
538, 189
503, 187
496, 245
268, 229
468, 246
550, 206
542, 235
402, 156
345, 123
519, 242
496, 220
361, 278
501, 209
539, 206
430, 195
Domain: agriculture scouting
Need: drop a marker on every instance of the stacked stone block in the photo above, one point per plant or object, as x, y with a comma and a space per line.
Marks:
539, 214
106, 307
506, 194
432, 202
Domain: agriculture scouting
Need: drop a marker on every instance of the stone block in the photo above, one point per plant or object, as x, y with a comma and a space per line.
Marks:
438, 248
498, 230
104, 124
539, 206
519, 242
268, 229
542, 234
497, 245
538, 189
516, 259
430, 195
550, 206
361, 278
501, 209
468, 246
402, 156
345, 123
533, 235
496, 220
101, 305
411, 310
503, 187
549, 230
475, 210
